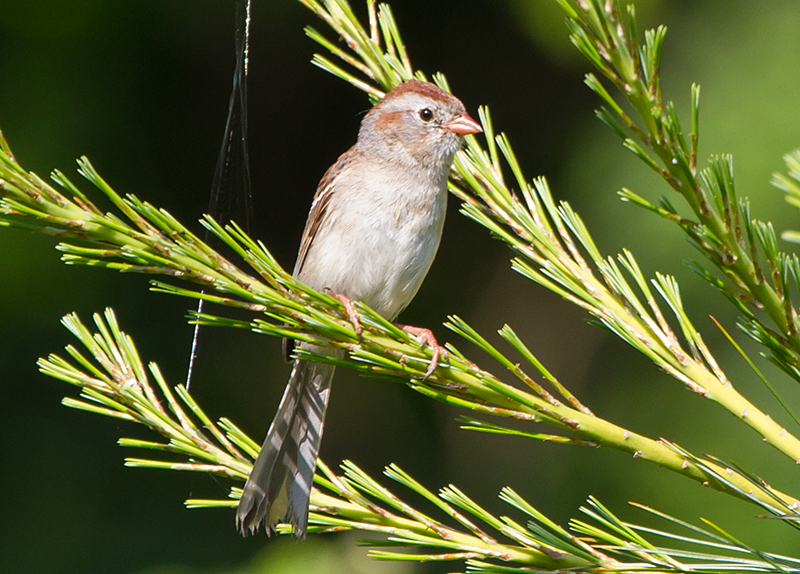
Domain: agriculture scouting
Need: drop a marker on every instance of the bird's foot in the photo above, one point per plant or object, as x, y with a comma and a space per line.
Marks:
426, 337
349, 308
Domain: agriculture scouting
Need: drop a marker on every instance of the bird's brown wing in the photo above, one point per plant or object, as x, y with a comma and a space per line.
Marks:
322, 198
316, 216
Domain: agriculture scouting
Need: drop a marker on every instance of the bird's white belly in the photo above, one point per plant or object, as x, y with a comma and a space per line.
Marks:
379, 256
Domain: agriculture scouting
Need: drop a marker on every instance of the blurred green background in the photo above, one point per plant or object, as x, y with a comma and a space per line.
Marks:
142, 89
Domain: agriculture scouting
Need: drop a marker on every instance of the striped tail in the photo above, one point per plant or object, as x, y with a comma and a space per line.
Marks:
279, 485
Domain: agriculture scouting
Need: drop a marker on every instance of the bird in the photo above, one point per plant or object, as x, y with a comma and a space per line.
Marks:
371, 235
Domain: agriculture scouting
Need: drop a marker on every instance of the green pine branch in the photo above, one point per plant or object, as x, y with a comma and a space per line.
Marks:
722, 228
113, 382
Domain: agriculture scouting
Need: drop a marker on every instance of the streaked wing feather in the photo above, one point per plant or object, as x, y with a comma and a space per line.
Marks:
322, 198
316, 216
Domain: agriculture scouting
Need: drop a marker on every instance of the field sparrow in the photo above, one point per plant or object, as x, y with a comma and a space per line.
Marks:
371, 236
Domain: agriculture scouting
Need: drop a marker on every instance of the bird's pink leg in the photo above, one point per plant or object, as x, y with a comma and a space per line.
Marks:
349, 308
427, 338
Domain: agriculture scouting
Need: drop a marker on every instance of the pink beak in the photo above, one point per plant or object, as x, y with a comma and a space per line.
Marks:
462, 125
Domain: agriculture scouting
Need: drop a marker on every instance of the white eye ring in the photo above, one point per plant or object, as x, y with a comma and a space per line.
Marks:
426, 115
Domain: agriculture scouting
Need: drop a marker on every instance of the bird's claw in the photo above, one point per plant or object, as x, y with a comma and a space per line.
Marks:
349, 308
427, 338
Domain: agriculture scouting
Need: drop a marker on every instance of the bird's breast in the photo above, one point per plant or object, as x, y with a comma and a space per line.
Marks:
377, 242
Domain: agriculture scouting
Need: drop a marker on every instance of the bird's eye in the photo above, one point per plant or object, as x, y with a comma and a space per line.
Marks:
426, 115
